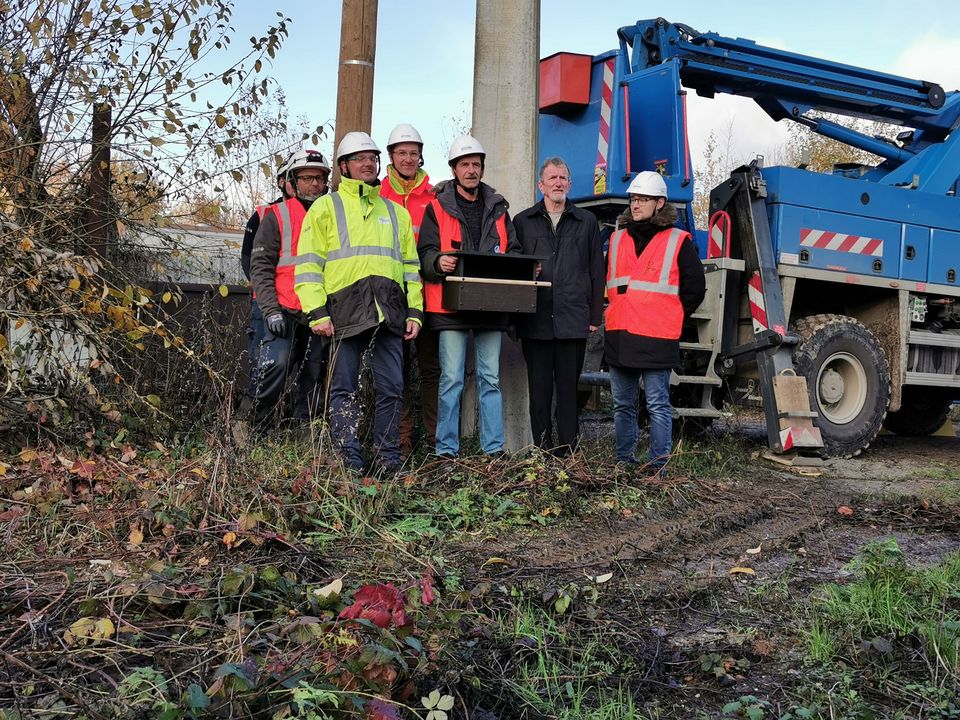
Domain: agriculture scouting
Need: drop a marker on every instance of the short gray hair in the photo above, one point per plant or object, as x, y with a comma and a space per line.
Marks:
557, 161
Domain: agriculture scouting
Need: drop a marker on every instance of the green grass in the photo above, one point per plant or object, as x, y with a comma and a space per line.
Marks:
890, 601
562, 674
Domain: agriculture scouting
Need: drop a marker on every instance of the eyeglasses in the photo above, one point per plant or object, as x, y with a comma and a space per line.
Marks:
363, 158
640, 199
319, 179
405, 154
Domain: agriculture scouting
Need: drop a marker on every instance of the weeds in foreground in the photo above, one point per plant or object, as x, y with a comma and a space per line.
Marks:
557, 678
888, 622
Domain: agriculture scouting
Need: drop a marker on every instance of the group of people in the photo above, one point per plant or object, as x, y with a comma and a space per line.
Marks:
359, 273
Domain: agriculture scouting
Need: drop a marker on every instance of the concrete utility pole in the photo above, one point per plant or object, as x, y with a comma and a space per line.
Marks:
505, 91
358, 48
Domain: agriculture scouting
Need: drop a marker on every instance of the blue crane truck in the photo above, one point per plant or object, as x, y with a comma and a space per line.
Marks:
833, 298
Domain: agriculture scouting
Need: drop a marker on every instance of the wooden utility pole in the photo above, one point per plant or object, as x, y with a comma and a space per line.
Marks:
100, 220
358, 47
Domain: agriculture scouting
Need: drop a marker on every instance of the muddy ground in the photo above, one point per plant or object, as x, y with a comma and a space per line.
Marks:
722, 572
686, 594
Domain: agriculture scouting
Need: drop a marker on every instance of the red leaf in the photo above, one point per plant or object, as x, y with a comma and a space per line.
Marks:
378, 604
427, 597
380, 710
12, 514
83, 468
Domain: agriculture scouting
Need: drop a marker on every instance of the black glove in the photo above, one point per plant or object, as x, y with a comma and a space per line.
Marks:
277, 325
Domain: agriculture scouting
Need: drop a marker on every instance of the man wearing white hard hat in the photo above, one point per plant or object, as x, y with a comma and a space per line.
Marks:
288, 349
358, 278
654, 280
407, 184
467, 214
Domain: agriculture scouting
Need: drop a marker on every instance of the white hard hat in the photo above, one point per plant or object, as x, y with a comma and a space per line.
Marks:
648, 183
305, 159
404, 132
463, 146
354, 142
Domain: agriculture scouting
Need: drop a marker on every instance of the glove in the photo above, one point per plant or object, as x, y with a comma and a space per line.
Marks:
276, 324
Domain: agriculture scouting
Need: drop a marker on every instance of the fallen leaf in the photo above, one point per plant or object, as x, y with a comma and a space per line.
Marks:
83, 468
601, 579
136, 535
845, 510
495, 561
248, 521
12, 514
755, 551
742, 571
28, 455
330, 589
89, 628
230, 539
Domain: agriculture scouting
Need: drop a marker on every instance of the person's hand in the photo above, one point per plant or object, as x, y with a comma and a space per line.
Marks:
324, 328
413, 329
276, 324
593, 328
447, 263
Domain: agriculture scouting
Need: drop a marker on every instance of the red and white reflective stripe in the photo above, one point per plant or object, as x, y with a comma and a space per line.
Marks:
758, 310
792, 437
839, 242
606, 110
718, 234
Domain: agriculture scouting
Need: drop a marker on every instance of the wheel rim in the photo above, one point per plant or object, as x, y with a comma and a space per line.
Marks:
841, 388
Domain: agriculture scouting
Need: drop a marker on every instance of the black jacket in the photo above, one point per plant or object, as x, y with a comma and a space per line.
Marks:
428, 246
624, 349
573, 264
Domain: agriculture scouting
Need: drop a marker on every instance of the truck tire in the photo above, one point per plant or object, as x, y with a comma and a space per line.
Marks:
848, 380
922, 411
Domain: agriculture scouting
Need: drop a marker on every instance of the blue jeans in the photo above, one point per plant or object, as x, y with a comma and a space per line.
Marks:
386, 362
453, 355
625, 385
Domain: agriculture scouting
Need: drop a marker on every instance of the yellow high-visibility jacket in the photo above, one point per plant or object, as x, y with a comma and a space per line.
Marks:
358, 264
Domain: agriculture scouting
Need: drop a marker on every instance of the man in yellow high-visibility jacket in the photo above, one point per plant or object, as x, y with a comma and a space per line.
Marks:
358, 280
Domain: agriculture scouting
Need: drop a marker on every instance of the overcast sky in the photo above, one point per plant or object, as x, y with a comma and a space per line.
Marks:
424, 61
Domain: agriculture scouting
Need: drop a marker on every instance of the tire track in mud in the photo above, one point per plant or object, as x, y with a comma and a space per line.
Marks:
691, 533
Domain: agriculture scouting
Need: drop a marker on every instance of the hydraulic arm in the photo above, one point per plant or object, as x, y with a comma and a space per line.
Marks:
790, 85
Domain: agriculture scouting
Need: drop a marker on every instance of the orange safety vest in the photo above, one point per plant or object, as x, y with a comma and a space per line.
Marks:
450, 240
415, 201
650, 306
289, 214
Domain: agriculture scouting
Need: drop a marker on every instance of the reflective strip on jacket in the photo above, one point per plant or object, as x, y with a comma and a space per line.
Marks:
644, 292
359, 264
415, 201
289, 214
450, 240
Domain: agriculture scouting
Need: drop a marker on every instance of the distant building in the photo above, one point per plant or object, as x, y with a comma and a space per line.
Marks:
183, 254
